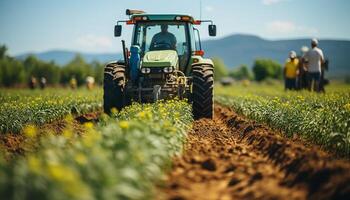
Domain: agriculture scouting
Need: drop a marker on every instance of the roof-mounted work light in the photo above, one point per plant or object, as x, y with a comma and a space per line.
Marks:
133, 12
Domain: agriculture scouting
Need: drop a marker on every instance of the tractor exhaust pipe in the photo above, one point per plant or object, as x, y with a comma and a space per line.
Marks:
126, 59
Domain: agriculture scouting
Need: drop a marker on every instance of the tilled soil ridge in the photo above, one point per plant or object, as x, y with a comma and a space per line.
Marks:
231, 157
16, 144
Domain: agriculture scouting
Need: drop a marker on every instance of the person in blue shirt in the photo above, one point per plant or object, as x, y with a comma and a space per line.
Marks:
163, 40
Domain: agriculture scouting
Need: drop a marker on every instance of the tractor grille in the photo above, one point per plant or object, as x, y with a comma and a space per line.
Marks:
156, 70
156, 73
153, 75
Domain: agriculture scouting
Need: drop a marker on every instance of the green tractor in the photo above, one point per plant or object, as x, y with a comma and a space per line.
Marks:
165, 61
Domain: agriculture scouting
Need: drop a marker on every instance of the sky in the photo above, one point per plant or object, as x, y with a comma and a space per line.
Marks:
87, 25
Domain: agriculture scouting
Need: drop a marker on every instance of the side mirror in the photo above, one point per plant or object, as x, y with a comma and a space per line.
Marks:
117, 30
212, 30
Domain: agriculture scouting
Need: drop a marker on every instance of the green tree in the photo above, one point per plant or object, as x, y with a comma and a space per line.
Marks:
78, 69
3, 50
37, 68
220, 69
267, 68
242, 72
12, 72
347, 79
98, 71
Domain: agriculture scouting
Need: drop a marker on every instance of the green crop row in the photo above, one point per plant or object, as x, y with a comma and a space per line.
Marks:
323, 119
119, 158
21, 107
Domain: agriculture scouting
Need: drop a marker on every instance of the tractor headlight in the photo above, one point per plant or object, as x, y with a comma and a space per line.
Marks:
145, 70
168, 69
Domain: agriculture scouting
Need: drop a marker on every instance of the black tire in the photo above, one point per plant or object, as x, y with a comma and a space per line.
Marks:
113, 87
203, 92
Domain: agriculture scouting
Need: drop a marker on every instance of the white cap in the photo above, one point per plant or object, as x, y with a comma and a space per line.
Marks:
292, 54
314, 41
304, 49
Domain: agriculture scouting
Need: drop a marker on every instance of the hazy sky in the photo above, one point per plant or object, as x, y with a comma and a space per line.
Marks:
87, 25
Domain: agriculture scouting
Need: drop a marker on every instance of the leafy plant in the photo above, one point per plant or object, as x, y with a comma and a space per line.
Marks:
119, 158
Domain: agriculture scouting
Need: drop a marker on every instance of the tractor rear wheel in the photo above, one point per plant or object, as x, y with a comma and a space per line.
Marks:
203, 91
113, 87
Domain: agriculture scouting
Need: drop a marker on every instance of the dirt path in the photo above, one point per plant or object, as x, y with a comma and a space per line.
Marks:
16, 144
232, 158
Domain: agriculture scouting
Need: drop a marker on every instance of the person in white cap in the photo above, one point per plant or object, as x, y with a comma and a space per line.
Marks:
314, 59
291, 71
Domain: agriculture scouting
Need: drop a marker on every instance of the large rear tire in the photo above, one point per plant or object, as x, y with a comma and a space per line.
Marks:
203, 92
113, 87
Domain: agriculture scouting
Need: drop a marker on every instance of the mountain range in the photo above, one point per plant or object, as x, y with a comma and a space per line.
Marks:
244, 49
235, 50
62, 57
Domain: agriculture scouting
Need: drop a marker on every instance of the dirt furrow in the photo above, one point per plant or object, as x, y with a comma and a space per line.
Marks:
16, 144
231, 157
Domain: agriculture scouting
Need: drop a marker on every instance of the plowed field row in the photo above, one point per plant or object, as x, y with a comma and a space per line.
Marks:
231, 157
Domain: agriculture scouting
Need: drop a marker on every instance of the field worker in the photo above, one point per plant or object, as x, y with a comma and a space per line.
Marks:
43, 82
163, 40
32, 82
324, 81
314, 60
302, 82
90, 82
291, 71
73, 83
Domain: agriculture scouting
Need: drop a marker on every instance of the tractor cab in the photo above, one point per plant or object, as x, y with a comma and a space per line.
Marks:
163, 43
165, 60
155, 33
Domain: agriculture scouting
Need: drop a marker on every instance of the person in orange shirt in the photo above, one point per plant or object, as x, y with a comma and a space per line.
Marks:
291, 71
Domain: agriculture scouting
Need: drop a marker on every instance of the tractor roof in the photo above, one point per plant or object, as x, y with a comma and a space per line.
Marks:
162, 17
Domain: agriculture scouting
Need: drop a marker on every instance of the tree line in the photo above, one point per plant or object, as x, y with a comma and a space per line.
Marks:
261, 70
19, 72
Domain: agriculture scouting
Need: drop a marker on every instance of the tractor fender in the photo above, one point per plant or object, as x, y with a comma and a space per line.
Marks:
112, 62
202, 61
119, 62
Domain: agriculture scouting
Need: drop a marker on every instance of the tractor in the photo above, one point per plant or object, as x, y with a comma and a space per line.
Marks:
165, 61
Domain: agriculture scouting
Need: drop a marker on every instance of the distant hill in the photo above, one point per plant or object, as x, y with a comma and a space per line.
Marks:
62, 57
244, 49
235, 50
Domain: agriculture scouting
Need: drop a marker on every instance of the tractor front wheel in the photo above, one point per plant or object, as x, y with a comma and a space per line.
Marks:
113, 87
203, 92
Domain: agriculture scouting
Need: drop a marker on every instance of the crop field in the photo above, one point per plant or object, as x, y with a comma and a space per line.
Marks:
21, 107
322, 119
118, 157
263, 143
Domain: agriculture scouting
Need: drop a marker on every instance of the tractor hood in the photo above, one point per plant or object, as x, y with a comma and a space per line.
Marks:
163, 58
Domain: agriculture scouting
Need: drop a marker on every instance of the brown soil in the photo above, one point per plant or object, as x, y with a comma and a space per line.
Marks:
17, 144
231, 157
